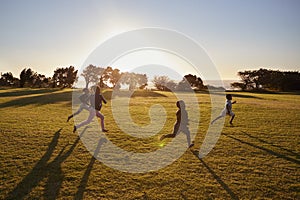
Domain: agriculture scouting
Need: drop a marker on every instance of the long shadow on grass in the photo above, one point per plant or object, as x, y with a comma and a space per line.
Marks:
273, 145
52, 171
39, 100
27, 91
269, 151
218, 179
85, 177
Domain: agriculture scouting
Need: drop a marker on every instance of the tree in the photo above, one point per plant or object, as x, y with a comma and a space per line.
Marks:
104, 77
92, 74
22, 78
163, 83
290, 81
64, 77
71, 76
7, 79
171, 85
47, 82
133, 80
247, 79
129, 79
114, 77
238, 85
26, 78
184, 85
108, 76
264, 79
142, 80
29, 78
37, 80
40, 80
194, 81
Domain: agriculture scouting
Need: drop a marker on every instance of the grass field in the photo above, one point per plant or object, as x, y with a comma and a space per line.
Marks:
257, 158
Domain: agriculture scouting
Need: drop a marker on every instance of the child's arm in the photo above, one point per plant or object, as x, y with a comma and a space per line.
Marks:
178, 116
233, 102
83, 99
103, 99
87, 100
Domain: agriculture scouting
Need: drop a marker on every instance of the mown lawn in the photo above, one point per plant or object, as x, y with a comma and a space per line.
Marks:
41, 158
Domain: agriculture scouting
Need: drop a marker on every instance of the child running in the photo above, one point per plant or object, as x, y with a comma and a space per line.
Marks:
181, 124
84, 98
227, 110
96, 100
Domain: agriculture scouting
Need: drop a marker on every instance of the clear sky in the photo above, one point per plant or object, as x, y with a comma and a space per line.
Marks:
237, 34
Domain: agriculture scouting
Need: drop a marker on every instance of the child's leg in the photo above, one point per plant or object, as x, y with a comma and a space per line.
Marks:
172, 135
232, 117
222, 114
176, 128
89, 119
82, 106
219, 117
188, 136
76, 113
98, 114
175, 131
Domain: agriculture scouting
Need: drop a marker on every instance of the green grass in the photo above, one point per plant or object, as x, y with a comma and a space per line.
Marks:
257, 158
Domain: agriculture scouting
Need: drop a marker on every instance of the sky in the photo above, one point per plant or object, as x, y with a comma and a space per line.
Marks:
237, 35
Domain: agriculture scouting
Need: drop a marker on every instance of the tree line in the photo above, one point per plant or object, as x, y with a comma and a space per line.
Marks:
113, 78
265, 79
63, 77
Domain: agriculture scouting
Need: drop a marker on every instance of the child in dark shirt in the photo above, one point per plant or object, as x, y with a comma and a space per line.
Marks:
181, 124
96, 100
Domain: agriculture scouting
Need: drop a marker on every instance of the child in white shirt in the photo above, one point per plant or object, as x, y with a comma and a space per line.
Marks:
227, 110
